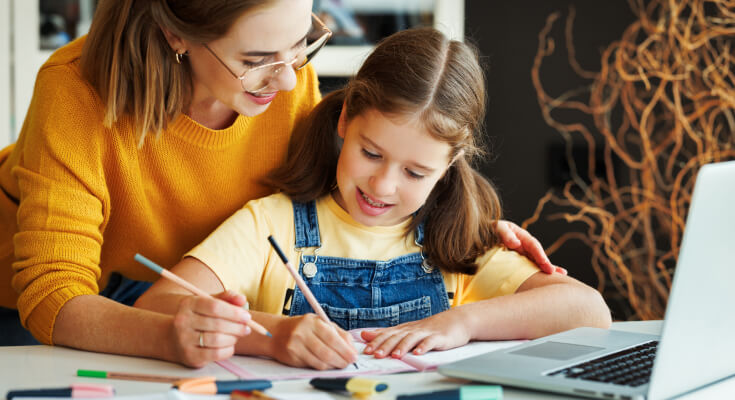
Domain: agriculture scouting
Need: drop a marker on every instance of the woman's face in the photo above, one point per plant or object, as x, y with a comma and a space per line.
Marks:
269, 34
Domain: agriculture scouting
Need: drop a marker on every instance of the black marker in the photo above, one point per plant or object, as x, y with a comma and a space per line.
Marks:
360, 386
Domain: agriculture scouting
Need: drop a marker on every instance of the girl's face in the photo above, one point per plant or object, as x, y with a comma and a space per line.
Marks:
387, 167
266, 35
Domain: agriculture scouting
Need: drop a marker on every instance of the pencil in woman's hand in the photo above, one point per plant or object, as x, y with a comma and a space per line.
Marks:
188, 286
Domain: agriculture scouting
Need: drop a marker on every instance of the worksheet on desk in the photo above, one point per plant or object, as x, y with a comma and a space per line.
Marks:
263, 368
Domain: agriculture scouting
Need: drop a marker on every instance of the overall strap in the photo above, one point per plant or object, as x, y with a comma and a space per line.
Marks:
306, 224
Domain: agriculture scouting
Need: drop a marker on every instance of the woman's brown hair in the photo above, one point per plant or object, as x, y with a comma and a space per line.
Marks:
413, 72
128, 61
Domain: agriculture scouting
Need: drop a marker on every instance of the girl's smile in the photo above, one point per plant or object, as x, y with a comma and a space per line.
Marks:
371, 206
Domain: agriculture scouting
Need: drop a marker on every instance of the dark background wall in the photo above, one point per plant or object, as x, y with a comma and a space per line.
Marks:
526, 150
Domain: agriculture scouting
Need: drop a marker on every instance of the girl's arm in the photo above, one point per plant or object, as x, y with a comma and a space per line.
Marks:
542, 305
299, 341
302, 341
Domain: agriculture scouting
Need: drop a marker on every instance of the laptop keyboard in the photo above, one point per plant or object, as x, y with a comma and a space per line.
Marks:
630, 367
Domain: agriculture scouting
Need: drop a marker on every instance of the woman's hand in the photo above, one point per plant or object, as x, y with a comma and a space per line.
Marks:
206, 330
442, 331
519, 240
307, 341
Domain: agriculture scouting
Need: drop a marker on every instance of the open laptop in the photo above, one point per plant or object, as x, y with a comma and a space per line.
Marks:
695, 347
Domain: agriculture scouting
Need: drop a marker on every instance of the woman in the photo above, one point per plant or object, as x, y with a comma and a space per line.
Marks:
143, 137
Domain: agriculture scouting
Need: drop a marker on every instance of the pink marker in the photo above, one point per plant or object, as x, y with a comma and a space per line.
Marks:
76, 391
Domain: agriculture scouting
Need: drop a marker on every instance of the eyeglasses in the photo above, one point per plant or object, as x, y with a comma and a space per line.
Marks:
258, 78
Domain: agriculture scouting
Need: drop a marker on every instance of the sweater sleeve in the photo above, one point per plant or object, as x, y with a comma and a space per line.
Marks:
63, 199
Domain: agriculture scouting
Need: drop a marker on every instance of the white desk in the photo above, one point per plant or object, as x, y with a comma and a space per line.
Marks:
46, 366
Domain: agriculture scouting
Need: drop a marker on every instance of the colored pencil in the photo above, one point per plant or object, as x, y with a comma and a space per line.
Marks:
128, 376
301, 284
188, 286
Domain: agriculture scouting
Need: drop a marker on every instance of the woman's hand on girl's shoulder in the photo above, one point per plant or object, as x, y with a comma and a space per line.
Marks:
519, 240
307, 341
442, 331
207, 329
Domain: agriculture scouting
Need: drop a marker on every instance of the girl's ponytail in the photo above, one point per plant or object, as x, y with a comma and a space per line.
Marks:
460, 216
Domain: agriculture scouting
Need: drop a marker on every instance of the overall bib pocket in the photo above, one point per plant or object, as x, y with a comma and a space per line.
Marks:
379, 317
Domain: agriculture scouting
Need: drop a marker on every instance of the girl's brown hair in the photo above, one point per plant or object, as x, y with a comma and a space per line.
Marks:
417, 72
128, 61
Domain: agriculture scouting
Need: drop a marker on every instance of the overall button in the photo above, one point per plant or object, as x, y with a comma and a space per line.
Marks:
426, 267
309, 270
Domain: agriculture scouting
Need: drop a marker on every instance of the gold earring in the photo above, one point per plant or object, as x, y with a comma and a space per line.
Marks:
179, 56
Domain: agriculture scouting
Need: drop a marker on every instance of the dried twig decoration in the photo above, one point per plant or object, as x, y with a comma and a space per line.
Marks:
662, 104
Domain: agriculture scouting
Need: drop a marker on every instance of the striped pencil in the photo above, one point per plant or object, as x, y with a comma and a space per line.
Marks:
188, 286
128, 376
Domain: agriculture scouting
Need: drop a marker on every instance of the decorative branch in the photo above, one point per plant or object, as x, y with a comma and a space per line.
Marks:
662, 106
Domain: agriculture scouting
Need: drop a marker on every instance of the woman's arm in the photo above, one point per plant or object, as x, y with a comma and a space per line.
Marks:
217, 323
519, 240
542, 305
303, 341
96, 323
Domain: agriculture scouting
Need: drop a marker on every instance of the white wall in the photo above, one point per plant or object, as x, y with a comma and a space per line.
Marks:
6, 122
346, 60
28, 56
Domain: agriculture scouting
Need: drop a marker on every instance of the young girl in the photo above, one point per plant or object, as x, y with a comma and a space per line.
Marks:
390, 225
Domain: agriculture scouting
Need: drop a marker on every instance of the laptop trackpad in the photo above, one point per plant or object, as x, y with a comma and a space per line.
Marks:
556, 350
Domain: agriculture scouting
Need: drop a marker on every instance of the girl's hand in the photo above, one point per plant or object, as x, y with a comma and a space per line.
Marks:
518, 239
307, 341
441, 331
206, 330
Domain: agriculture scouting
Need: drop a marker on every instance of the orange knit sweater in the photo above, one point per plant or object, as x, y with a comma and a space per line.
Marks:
77, 200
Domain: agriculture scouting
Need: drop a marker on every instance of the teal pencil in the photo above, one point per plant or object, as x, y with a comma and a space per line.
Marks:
188, 286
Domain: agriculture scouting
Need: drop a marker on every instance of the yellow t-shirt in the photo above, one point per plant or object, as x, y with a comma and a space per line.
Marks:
239, 253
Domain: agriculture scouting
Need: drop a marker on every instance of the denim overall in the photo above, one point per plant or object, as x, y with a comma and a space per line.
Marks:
365, 293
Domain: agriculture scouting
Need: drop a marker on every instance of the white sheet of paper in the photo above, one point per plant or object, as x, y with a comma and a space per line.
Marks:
262, 368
